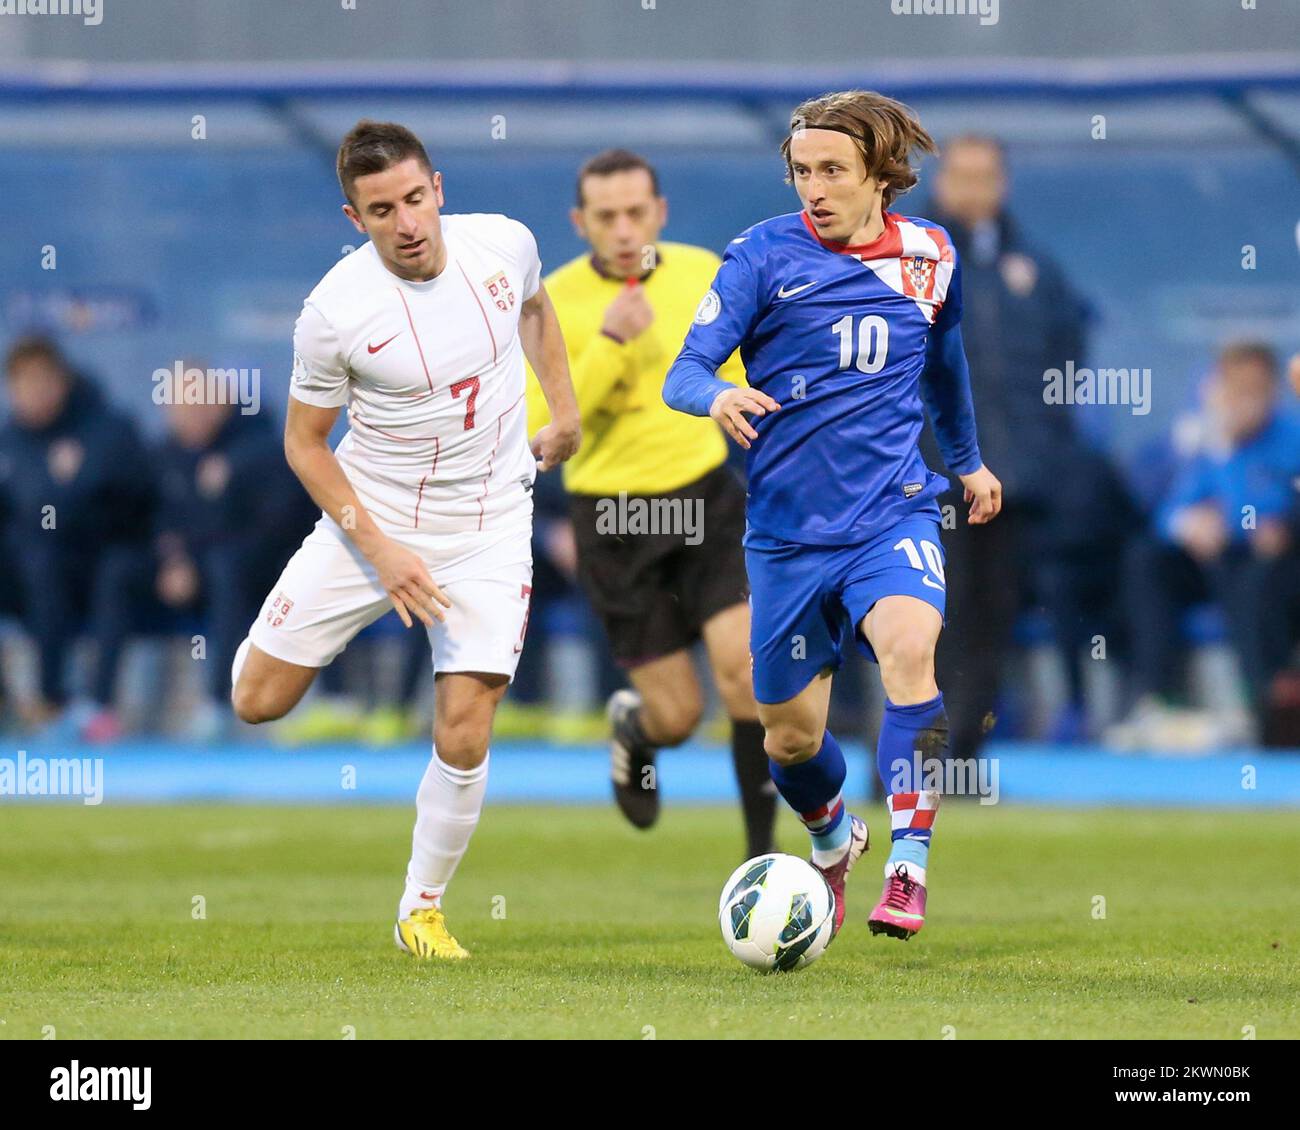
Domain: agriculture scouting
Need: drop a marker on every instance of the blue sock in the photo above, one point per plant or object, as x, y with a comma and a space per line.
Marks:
908, 851
913, 740
812, 789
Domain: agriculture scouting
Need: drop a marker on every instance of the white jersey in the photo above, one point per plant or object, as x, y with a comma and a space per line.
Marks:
432, 374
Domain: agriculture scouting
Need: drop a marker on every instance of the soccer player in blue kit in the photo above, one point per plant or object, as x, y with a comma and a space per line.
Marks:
847, 317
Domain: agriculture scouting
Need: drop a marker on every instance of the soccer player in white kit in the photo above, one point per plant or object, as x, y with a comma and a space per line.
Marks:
427, 500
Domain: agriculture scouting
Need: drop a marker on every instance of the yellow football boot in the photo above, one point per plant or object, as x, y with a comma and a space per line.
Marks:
424, 934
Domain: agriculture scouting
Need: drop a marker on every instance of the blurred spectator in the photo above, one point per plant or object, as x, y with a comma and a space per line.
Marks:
77, 499
1226, 530
230, 515
1020, 318
1075, 566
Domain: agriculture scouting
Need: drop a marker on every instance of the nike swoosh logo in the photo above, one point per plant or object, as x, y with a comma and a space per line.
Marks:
377, 348
783, 293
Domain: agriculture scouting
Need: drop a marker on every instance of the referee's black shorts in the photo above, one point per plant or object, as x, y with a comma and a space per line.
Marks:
654, 591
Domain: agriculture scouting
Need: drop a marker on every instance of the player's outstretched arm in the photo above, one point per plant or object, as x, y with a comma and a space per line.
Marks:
401, 572
722, 322
543, 343
692, 386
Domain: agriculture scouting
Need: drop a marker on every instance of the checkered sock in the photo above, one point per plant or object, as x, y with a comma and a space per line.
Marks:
911, 817
912, 743
812, 789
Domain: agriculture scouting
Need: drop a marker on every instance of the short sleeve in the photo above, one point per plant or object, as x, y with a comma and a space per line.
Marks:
530, 262
320, 376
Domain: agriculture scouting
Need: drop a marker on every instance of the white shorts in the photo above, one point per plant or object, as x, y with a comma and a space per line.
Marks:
328, 592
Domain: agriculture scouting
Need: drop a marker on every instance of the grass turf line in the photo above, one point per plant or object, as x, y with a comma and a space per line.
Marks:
581, 926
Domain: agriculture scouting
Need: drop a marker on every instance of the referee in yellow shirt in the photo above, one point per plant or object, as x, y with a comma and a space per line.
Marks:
657, 515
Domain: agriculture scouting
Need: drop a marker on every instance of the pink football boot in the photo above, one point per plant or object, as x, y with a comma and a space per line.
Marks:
836, 873
901, 910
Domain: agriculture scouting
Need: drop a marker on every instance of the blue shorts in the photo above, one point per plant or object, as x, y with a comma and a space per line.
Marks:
806, 599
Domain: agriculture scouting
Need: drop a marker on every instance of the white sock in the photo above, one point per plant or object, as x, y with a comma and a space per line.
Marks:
447, 808
829, 858
237, 666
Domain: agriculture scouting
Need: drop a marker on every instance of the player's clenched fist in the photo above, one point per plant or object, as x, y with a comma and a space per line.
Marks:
555, 443
629, 315
731, 407
408, 584
984, 493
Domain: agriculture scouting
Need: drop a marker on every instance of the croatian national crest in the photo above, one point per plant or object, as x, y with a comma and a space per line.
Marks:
498, 286
918, 276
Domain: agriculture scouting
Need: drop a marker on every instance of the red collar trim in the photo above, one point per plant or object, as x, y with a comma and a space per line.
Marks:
885, 246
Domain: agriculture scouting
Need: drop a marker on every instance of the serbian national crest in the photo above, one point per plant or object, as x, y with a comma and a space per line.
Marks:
279, 609
498, 286
918, 276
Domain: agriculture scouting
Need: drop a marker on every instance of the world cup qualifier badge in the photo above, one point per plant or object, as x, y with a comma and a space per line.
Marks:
498, 286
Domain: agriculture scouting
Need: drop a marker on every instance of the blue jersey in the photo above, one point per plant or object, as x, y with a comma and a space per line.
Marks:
849, 340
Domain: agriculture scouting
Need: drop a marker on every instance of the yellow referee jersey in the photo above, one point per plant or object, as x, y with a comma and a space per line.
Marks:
631, 440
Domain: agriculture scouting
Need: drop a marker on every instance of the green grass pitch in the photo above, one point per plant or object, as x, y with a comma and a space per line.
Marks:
580, 926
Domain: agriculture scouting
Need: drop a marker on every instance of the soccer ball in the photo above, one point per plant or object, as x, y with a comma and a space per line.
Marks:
776, 913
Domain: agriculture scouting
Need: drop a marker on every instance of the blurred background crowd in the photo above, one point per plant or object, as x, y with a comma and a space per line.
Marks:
1141, 590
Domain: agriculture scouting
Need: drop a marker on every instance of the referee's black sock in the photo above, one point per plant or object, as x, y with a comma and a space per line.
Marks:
757, 792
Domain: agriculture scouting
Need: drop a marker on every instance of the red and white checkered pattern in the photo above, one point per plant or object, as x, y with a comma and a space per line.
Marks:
822, 818
909, 811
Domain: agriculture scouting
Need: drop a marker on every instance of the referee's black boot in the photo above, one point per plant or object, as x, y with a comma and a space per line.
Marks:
632, 760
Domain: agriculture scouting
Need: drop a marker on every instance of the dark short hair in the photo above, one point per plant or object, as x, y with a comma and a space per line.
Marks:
1250, 352
372, 147
35, 347
611, 161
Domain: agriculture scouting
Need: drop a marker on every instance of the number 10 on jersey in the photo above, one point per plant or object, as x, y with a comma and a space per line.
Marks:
872, 343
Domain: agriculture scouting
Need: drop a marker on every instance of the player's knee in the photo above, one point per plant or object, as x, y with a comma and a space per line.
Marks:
907, 660
681, 724
253, 705
461, 745
790, 744
669, 723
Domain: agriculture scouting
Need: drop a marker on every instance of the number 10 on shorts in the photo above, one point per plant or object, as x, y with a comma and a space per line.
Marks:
932, 563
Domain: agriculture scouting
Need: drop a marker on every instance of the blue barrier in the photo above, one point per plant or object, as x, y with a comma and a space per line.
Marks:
526, 772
